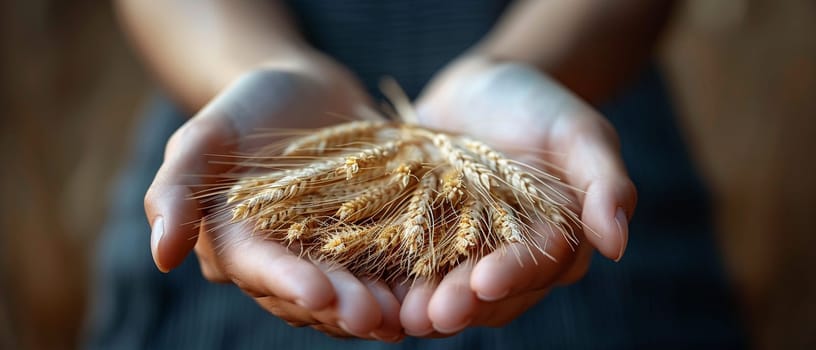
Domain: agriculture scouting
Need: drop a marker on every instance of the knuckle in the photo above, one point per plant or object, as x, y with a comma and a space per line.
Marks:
287, 312
177, 138
277, 310
195, 132
212, 274
150, 198
237, 281
209, 270
248, 287
596, 127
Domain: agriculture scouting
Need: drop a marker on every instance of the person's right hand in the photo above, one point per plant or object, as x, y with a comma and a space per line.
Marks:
303, 293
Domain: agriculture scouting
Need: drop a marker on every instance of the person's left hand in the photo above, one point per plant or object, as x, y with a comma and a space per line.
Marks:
515, 107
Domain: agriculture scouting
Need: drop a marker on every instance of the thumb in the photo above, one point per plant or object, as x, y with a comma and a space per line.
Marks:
593, 164
172, 213
255, 99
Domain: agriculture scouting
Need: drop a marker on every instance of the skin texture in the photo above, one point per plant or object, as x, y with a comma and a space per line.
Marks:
497, 102
241, 65
294, 289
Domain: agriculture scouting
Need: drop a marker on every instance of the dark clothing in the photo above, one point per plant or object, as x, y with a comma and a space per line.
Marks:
668, 291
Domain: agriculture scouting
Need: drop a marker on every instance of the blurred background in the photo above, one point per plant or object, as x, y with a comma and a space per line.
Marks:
743, 74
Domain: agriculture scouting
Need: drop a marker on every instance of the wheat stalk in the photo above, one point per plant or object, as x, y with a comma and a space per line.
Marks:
318, 142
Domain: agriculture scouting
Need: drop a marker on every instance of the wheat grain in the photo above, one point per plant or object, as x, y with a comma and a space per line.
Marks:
505, 223
424, 266
417, 214
297, 183
387, 238
245, 187
346, 239
275, 216
403, 174
299, 230
369, 202
476, 173
370, 157
469, 227
453, 186
519, 180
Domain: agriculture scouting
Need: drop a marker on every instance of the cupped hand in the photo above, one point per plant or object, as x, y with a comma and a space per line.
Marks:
516, 108
297, 290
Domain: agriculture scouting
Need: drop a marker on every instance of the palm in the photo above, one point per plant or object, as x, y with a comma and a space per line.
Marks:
518, 110
297, 290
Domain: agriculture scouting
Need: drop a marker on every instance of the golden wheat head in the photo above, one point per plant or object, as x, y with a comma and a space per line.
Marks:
394, 200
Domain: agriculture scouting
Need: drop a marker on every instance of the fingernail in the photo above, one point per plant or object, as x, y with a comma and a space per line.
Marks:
496, 297
384, 337
342, 325
157, 232
452, 330
395, 339
623, 230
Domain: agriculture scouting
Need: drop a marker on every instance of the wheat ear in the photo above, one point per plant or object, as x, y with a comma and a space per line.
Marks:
452, 186
374, 199
371, 157
318, 142
476, 173
417, 216
519, 180
469, 226
299, 182
505, 223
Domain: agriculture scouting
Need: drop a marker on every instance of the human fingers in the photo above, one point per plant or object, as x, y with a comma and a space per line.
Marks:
453, 304
358, 311
519, 268
258, 98
414, 311
295, 315
390, 328
265, 268
593, 163
168, 205
205, 251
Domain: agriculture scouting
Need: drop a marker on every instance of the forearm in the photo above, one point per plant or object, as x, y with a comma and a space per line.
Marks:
196, 47
591, 46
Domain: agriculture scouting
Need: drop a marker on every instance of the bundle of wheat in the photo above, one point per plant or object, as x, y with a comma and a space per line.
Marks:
394, 200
